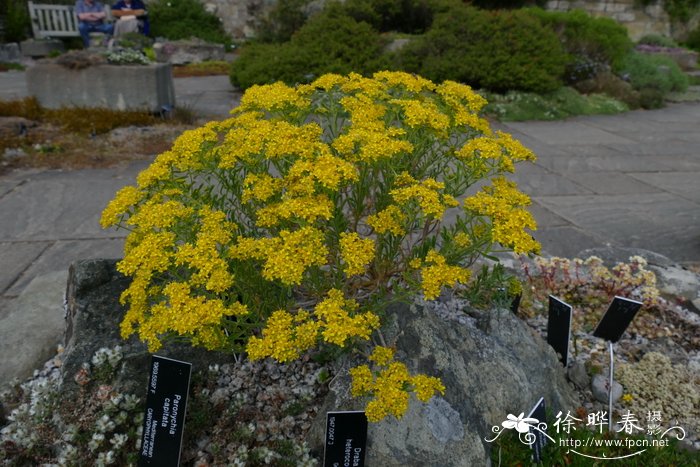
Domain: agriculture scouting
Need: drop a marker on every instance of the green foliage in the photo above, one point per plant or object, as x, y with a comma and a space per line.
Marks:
287, 17
493, 287
658, 40
598, 39
497, 50
512, 452
182, 19
408, 16
329, 43
134, 40
127, 57
654, 76
507, 4
16, 20
562, 103
693, 40
6, 66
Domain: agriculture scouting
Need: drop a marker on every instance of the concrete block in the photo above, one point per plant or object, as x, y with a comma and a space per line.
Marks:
40, 48
10, 53
121, 87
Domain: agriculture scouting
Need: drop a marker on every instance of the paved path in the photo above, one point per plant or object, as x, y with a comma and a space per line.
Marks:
631, 180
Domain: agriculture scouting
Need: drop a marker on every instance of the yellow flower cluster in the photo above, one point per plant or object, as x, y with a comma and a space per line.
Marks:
504, 204
387, 220
286, 257
286, 337
356, 252
437, 273
428, 194
390, 385
318, 195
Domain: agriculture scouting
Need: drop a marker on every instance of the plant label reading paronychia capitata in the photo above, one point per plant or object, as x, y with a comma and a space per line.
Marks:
559, 328
346, 439
615, 321
164, 422
538, 412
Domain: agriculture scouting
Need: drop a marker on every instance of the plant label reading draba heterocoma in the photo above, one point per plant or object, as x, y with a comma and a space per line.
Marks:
289, 226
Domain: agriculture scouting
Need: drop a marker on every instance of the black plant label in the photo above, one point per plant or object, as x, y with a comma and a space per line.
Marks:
559, 328
164, 421
620, 314
346, 439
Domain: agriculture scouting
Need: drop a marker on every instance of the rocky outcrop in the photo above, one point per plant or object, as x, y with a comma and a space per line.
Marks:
93, 317
491, 364
187, 51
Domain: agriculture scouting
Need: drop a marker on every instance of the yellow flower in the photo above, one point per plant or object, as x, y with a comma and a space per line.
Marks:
382, 355
422, 114
439, 273
428, 195
426, 386
335, 314
272, 97
356, 252
123, 201
387, 220
362, 380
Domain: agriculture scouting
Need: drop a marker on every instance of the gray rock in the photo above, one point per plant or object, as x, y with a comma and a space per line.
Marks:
94, 314
675, 281
397, 44
578, 375
600, 385
187, 51
491, 365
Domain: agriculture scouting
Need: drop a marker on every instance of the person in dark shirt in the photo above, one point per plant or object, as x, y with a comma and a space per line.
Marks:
91, 18
131, 17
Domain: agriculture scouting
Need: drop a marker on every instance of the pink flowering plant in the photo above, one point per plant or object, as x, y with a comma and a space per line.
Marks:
291, 224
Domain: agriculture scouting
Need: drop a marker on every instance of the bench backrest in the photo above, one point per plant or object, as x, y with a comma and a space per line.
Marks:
52, 20
56, 20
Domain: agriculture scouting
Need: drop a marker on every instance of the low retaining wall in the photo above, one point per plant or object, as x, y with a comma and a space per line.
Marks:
123, 87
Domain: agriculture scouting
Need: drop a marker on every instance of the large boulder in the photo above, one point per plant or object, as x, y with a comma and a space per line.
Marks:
93, 317
491, 364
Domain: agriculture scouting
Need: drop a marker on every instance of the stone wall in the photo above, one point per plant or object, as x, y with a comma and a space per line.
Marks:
239, 17
637, 19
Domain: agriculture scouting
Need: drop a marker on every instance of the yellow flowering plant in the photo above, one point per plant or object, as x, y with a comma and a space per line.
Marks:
291, 224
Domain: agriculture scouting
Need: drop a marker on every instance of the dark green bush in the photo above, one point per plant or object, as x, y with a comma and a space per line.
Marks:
693, 40
16, 20
506, 4
596, 39
328, 43
497, 50
408, 16
182, 19
287, 17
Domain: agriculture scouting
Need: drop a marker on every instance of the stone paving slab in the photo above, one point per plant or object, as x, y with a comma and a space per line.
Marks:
566, 241
685, 184
568, 132
659, 222
536, 180
15, 258
607, 183
545, 217
58, 256
55, 205
606, 163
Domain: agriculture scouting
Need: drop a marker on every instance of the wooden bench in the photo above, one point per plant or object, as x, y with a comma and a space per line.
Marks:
56, 20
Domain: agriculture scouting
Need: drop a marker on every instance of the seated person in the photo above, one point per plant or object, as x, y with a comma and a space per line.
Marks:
131, 17
91, 18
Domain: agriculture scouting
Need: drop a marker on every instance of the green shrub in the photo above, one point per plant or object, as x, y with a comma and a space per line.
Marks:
328, 43
16, 20
287, 17
408, 16
645, 71
693, 40
657, 39
598, 39
182, 19
497, 50
562, 103
653, 76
